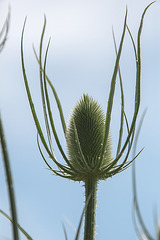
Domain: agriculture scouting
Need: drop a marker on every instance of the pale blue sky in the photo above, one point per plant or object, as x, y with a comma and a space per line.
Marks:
81, 59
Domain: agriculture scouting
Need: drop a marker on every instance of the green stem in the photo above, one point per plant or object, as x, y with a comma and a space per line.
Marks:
90, 214
9, 182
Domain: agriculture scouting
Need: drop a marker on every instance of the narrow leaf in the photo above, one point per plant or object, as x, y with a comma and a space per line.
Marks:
9, 181
20, 228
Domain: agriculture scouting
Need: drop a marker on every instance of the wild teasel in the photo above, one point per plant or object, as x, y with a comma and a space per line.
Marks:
89, 157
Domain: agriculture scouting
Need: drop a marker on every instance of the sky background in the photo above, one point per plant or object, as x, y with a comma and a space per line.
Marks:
80, 60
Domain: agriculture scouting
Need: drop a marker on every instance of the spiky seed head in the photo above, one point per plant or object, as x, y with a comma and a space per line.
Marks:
84, 137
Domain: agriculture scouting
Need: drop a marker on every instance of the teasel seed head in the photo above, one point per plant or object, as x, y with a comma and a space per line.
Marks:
84, 137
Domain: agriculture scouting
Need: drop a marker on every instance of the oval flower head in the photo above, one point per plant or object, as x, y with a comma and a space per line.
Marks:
84, 138
89, 153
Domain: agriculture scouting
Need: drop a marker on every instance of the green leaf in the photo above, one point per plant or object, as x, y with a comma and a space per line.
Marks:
9, 181
20, 228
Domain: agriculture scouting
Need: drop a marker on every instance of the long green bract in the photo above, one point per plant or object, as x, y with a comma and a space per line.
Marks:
42, 91
122, 103
50, 112
137, 94
55, 96
44, 94
111, 94
38, 127
138, 81
30, 98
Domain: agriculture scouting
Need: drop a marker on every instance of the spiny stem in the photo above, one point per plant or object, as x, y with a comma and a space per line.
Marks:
90, 214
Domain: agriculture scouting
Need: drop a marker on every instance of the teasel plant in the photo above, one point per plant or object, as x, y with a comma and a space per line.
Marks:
89, 156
